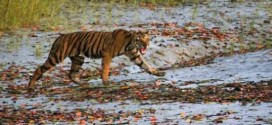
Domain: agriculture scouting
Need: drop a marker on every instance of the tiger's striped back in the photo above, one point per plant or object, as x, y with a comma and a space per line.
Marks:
89, 44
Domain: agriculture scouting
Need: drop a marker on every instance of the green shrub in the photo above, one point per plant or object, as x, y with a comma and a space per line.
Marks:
18, 13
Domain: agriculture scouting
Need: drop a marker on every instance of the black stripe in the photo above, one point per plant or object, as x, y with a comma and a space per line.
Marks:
111, 43
100, 53
73, 42
85, 34
86, 53
114, 36
128, 43
73, 38
95, 42
78, 59
43, 68
61, 53
119, 52
116, 32
80, 41
57, 59
54, 46
78, 62
140, 65
135, 52
68, 42
67, 47
107, 40
86, 44
132, 59
129, 35
92, 33
74, 70
92, 43
58, 39
51, 62
98, 46
77, 34
77, 47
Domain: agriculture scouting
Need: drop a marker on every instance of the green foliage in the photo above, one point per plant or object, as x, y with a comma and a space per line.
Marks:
14, 44
195, 9
17, 13
231, 48
53, 14
38, 50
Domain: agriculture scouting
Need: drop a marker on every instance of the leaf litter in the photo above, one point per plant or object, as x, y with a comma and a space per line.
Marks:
253, 94
57, 88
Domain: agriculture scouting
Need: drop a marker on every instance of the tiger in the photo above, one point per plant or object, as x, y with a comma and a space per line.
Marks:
96, 44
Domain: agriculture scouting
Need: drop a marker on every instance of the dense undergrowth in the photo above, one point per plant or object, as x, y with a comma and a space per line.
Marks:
35, 13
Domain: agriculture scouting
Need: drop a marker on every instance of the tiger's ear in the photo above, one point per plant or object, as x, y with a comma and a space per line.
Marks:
146, 32
143, 32
132, 32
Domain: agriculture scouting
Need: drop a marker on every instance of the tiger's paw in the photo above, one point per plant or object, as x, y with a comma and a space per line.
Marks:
31, 86
160, 73
156, 72
75, 79
106, 83
30, 89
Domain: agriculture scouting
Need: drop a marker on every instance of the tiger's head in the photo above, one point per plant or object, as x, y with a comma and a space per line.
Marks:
141, 41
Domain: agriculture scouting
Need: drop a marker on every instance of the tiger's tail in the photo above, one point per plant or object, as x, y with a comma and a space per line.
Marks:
55, 56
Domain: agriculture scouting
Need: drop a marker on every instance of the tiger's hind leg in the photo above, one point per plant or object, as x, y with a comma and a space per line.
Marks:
77, 62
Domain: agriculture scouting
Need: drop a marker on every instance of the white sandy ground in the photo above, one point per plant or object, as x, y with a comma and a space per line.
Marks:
250, 67
255, 66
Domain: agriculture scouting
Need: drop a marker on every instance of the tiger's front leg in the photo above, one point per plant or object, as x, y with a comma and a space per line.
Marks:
135, 56
106, 60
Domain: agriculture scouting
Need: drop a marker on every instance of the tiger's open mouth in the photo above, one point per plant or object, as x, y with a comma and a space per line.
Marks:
143, 51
